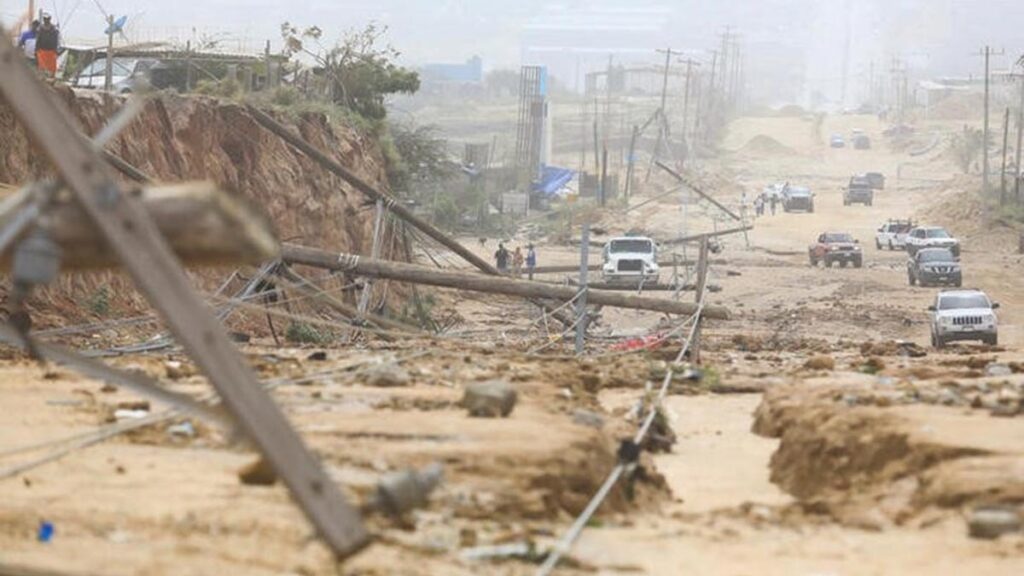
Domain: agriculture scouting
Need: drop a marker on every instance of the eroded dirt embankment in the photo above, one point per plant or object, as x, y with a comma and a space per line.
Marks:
870, 463
193, 138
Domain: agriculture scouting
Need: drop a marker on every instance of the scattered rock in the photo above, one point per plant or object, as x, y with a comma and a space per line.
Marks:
387, 376
139, 405
183, 430
490, 399
588, 418
1005, 410
175, 370
257, 473
996, 369
990, 522
820, 363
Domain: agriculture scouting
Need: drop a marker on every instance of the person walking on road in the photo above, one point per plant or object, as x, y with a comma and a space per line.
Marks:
501, 258
531, 260
47, 43
774, 202
27, 42
517, 262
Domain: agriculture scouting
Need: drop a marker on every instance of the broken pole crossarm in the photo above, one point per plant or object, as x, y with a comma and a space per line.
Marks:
135, 238
473, 282
679, 177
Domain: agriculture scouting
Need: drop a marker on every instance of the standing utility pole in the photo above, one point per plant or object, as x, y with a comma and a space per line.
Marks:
1020, 136
1002, 174
690, 63
108, 80
987, 53
581, 304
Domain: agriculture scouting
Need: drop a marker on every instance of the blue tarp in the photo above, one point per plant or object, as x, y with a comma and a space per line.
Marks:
553, 179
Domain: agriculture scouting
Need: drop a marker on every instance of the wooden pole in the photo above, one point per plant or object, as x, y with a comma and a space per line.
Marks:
701, 193
148, 258
581, 304
702, 280
631, 163
707, 235
474, 282
393, 205
1002, 173
202, 224
1020, 142
985, 138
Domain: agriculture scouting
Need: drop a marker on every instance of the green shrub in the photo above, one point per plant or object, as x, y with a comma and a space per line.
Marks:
303, 333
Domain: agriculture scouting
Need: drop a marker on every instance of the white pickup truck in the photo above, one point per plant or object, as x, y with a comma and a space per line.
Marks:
893, 234
630, 259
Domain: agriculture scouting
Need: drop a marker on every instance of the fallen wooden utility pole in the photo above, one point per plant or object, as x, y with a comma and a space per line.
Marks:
393, 205
696, 238
569, 269
147, 257
361, 185
679, 178
293, 254
203, 225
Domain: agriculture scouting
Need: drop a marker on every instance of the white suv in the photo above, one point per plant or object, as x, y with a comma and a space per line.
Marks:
963, 315
931, 237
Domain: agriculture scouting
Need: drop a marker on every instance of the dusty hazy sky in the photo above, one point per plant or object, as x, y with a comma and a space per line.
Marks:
938, 36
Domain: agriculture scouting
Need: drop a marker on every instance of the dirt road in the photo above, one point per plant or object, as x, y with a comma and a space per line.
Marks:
730, 516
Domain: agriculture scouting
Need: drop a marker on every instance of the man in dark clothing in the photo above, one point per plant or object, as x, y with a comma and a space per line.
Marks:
501, 258
47, 42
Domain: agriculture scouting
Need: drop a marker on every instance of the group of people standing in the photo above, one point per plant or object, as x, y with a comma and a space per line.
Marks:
40, 44
513, 262
763, 202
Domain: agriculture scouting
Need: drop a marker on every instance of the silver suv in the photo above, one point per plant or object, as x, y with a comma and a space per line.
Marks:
963, 315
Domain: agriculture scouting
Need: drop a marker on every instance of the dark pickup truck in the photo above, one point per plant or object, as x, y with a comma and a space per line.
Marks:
932, 266
859, 191
833, 247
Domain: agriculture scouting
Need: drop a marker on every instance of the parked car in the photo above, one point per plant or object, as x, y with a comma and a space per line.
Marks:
124, 73
861, 142
795, 198
931, 237
934, 266
858, 191
876, 180
837, 141
833, 247
130, 73
630, 259
893, 234
959, 315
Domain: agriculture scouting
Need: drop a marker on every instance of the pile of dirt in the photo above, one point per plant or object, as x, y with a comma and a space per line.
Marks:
762, 145
178, 138
871, 455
